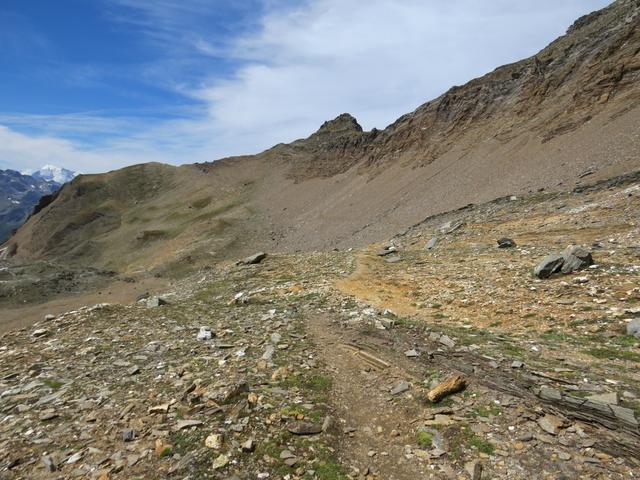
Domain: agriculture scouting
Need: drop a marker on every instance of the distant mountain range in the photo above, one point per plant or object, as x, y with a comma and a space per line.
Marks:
21, 192
51, 173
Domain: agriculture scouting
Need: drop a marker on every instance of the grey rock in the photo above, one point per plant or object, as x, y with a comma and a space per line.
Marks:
548, 266
49, 463
550, 424
74, 458
605, 398
576, 258
625, 414
40, 332
304, 428
564, 456
182, 424
232, 392
49, 317
547, 393
204, 333
446, 341
268, 352
633, 327
474, 469
327, 423
156, 302
431, 244
248, 446
411, 353
506, 243
128, 435
384, 323
451, 226
400, 387
253, 259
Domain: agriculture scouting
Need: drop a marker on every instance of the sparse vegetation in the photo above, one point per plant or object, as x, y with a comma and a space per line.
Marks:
424, 439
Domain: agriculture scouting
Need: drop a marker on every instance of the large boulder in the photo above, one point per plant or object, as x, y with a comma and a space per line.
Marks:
575, 258
548, 266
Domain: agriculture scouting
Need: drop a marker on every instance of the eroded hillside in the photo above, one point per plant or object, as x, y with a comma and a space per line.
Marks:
565, 116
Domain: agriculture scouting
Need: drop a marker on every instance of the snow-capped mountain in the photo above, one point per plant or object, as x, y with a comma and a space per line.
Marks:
52, 173
20, 193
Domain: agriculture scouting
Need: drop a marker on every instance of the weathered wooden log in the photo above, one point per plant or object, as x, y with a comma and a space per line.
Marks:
368, 357
451, 385
375, 361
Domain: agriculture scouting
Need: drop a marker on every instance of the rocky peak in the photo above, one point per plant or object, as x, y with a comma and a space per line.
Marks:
343, 123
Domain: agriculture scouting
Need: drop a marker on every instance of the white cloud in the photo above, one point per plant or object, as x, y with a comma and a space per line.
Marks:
376, 59
30, 152
305, 63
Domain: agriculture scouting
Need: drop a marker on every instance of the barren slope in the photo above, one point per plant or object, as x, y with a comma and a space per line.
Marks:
571, 111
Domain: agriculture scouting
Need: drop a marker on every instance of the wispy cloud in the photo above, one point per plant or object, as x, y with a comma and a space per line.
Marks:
278, 75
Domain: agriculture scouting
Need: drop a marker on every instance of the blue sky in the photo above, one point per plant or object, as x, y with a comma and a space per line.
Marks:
94, 85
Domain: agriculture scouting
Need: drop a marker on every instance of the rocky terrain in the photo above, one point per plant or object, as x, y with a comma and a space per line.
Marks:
320, 365
456, 296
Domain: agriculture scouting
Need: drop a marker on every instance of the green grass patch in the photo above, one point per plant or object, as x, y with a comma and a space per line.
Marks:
626, 340
486, 411
424, 439
481, 445
53, 384
316, 383
330, 470
166, 452
461, 438
612, 353
510, 349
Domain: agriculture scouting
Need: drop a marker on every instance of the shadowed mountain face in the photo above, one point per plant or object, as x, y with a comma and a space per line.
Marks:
567, 115
19, 194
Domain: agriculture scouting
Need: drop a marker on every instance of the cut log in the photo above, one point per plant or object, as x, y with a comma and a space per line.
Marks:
450, 386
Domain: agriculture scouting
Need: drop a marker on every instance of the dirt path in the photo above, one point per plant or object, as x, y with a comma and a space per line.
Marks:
365, 284
377, 424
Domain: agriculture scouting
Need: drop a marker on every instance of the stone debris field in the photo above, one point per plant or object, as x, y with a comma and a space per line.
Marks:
444, 353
